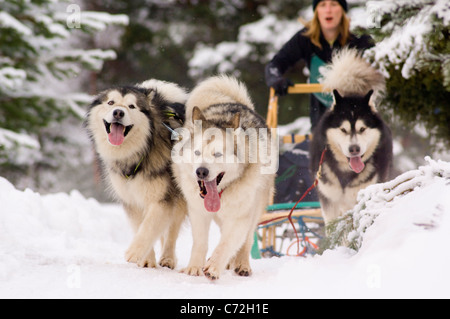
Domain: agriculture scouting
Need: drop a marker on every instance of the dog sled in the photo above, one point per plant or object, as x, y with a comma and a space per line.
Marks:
304, 227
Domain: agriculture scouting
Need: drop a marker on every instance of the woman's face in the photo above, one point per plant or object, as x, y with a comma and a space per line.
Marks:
330, 14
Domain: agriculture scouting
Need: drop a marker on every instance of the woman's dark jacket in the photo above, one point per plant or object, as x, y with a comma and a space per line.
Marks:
300, 47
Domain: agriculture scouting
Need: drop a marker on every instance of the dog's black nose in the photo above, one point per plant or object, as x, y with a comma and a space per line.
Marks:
118, 114
202, 172
354, 149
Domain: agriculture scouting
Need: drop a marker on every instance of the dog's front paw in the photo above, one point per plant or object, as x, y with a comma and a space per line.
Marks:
211, 272
149, 262
193, 271
167, 262
131, 256
136, 254
243, 271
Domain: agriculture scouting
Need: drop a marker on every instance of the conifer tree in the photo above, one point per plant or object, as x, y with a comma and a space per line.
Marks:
413, 51
39, 59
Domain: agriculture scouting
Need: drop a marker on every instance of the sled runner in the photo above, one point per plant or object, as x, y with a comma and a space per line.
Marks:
291, 183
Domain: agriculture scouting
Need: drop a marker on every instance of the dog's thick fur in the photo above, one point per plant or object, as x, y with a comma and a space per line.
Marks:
358, 142
351, 75
233, 192
127, 130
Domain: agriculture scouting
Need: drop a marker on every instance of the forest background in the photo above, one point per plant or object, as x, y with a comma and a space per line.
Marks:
55, 55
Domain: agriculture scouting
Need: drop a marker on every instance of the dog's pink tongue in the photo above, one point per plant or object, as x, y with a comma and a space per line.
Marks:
356, 164
212, 198
116, 136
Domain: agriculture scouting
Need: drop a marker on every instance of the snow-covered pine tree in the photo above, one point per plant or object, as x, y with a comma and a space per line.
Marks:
413, 51
38, 62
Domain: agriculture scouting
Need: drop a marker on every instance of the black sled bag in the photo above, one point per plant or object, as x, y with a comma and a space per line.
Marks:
293, 177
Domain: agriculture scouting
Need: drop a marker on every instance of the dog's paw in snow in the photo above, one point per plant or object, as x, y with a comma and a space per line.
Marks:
211, 272
244, 271
167, 262
193, 271
137, 255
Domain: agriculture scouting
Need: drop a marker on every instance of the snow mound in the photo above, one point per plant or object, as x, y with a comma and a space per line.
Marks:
67, 246
423, 188
56, 229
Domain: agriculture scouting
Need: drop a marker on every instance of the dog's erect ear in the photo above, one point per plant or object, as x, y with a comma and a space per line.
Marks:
96, 102
145, 91
371, 102
235, 122
337, 97
151, 94
368, 96
197, 115
99, 99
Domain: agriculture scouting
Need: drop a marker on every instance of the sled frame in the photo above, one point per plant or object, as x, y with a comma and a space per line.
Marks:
305, 212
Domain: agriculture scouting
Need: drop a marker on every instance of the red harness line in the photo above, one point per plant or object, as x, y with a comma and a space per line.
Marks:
289, 217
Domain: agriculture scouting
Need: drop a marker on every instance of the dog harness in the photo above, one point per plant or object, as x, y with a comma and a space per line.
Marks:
135, 171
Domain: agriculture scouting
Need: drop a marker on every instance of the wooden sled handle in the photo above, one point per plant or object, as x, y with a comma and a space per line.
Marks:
272, 113
306, 88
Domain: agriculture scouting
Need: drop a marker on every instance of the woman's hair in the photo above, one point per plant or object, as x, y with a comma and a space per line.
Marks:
313, 29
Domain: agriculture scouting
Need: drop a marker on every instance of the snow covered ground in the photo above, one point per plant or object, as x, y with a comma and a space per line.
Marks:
67, 246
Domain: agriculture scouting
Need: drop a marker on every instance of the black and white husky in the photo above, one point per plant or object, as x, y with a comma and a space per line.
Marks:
358, 143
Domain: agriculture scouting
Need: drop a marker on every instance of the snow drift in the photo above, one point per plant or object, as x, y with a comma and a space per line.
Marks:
67, 246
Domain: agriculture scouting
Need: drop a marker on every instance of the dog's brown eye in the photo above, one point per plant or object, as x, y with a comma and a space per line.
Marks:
343, 130
111, 103
131, 106
362, 129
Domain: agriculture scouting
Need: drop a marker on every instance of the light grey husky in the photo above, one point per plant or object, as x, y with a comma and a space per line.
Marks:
221, 171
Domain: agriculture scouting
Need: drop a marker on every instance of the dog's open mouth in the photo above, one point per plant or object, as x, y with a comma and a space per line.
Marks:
210, 194
116, 132
356, 164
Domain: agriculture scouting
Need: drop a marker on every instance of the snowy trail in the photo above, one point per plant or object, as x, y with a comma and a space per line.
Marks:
67, 246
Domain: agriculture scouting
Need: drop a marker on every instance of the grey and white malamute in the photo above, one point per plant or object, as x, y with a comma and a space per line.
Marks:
224, 172
358, 142
128, 126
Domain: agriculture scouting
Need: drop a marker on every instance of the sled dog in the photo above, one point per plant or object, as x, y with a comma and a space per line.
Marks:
358, 142
129, 128
222, 175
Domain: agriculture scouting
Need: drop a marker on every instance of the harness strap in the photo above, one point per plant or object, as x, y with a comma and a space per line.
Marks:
136, 169
316, 181
289, 217
175, 135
